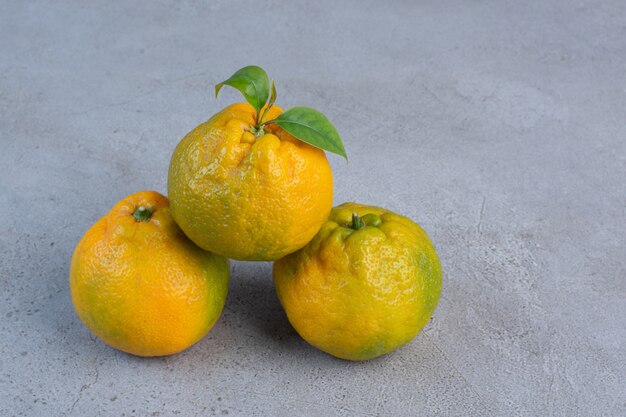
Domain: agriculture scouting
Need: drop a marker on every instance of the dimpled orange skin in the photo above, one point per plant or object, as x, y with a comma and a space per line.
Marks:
358, 294
142, 286
248, 201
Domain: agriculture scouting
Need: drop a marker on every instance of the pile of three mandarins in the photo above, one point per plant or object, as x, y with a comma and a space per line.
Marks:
253, 183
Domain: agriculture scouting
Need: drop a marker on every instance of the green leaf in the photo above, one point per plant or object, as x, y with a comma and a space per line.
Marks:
252, 82
312, 127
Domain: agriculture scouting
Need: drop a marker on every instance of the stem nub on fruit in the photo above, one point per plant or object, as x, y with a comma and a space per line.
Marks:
257, 131
369, 219
357, 222
142, 213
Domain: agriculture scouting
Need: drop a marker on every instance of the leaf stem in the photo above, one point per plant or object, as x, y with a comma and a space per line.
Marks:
270, 103
260, 120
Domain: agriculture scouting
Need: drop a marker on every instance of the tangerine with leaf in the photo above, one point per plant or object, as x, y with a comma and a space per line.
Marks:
253, 182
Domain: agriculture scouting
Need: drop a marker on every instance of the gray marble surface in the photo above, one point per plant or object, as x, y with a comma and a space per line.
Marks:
499, 126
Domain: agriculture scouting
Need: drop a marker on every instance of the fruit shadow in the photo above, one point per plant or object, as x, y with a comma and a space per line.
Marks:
252, 304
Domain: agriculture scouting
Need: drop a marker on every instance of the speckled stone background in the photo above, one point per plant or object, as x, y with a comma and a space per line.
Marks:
499, 126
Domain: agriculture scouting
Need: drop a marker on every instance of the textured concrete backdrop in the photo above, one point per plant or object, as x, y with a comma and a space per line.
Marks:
499, 126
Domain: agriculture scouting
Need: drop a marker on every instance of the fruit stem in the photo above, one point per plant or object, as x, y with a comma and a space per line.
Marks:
357, 223
143, 214
257, 130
